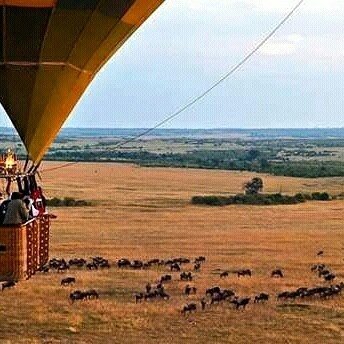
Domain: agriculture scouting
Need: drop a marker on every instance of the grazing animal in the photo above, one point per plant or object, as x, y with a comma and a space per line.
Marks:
190, 290
186, 276
138, 297
245, 272
151, 295
63, 267
154, 261
200, 259
67, 281
320, 253
104, 264
91, 294
330, 277
212, 291
77, 295
318, 267
7, 285
224, 274
197, 267
92, 266
123, 263
78, 262
324, 273
203, 304
175, 267
165, 278
189, 308
242, 302
136, 264
161, 293
277, 273
261, 297
148, 288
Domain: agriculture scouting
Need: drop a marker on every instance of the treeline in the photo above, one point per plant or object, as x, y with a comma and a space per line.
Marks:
261, 161
67, 202
259, 199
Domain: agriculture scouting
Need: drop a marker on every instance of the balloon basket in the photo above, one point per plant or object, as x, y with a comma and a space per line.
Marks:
24, 249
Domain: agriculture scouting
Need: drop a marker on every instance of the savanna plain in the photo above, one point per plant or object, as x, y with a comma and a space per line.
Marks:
145, 213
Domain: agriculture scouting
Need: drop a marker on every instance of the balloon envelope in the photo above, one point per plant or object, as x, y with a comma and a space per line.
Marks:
50, 50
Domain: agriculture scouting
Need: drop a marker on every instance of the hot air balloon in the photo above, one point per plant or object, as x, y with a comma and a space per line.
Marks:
50, 51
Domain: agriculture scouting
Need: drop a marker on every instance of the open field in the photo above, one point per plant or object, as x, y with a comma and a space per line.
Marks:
144, 213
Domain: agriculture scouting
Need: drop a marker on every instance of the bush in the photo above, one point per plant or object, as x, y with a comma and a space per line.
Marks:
67, 202
320, 196
211, 200
259, 199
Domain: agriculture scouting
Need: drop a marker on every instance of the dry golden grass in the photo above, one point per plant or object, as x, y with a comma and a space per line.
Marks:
145, 213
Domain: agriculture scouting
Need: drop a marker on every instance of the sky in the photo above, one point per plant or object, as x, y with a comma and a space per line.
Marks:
296, 80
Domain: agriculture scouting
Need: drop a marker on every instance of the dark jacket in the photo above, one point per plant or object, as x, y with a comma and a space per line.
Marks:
16, 213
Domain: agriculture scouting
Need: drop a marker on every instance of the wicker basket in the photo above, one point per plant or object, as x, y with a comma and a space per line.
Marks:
24, 249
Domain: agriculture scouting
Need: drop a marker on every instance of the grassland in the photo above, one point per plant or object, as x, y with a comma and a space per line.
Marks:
144, 213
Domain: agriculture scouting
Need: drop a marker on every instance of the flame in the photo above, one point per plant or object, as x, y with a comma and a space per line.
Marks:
10, 162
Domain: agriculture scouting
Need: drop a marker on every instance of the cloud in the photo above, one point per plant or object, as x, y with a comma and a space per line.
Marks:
286, 45
262, 5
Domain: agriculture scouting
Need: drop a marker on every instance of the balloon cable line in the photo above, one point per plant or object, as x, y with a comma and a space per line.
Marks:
195, 100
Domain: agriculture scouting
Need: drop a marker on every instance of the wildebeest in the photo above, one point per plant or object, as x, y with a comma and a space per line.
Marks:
63, 267
83, 295
320, 253
92, 266
150, 295
138, 297
199, 259
148, 288
136, 264
212, 291
186, 276
203, 304
165, 278
329, 277
67, 281
7, 285
318, 267
161, 293
323, 272
175, 267
104, 264
261, 297
241, 302
78, 262
77, 295
91, 294
245, 272
123, 263
224, 274
197, 267
190, 290
277, 273
189, 308
154, 261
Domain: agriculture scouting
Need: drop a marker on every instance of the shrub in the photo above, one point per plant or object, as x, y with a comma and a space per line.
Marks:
320, 196
67, 202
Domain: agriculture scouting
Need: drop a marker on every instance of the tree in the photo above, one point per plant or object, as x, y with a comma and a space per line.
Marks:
254, 186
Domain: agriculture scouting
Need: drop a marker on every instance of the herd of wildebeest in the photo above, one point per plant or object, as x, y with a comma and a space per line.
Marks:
175, 269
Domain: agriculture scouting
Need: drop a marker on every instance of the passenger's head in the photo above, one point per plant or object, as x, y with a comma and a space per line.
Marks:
17, 195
